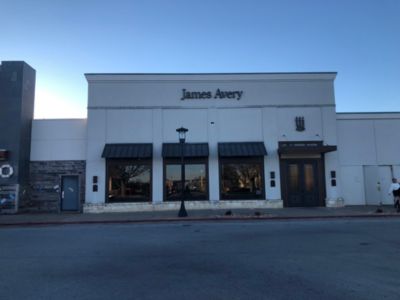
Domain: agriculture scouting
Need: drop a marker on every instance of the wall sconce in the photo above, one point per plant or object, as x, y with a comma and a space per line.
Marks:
272, 179
333, 178
94, 181
300, 125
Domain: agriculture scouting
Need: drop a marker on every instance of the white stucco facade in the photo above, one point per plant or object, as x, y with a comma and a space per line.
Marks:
58, 139
148, 108
369, 154
134, 108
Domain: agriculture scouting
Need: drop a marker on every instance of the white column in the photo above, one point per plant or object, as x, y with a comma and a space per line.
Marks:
333, 193
213, 168
271, 161
95, 164
158, 183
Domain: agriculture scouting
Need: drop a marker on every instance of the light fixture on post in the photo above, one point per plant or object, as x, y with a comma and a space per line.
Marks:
182, 137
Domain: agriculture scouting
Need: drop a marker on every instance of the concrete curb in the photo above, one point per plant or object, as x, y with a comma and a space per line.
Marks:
198, 219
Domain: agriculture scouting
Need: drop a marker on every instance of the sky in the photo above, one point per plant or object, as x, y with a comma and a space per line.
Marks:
62, 40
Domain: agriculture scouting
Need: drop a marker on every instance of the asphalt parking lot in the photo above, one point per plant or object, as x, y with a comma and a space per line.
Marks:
281, 259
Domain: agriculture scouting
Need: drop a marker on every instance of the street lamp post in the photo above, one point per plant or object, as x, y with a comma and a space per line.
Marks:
182, 137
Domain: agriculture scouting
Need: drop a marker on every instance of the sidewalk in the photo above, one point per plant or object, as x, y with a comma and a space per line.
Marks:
197, 215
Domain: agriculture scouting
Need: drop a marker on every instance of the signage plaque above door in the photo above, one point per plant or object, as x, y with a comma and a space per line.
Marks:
218, 94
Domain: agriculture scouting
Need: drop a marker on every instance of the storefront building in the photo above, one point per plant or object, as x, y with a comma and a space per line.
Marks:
253, 140
263, 140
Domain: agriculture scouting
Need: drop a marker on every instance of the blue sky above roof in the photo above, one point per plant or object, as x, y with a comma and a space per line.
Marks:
63, 40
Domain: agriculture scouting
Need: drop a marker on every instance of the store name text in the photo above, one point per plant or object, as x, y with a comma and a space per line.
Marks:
219, 94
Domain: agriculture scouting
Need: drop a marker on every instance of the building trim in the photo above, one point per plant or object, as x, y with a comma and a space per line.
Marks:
368, 116
202, 107
209, 77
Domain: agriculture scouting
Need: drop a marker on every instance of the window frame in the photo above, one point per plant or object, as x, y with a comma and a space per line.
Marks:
238, 160
187, 161
142, 161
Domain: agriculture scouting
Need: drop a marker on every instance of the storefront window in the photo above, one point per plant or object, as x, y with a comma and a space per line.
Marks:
196, 185
128, 181
242, 179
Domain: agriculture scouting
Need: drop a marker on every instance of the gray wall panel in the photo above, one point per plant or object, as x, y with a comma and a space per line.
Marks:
17, 90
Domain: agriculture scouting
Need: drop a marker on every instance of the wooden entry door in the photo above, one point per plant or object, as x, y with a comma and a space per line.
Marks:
302, 183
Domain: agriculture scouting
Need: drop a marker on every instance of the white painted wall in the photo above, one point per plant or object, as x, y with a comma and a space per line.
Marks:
313, 124
125, 126
239, 124
193, 119
352, 180
271, 161
387, 139
136, 90
213, 170
368, 139
356, 140
147, 108
157, 174
58, 139
95, 164
329, 133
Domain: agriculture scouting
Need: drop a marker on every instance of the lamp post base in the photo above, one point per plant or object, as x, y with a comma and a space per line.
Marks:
182, 211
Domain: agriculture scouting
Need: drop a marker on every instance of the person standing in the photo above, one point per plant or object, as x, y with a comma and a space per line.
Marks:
394, 189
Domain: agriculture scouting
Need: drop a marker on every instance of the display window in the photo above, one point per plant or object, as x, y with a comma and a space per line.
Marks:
242, 178
195, 181
128, 180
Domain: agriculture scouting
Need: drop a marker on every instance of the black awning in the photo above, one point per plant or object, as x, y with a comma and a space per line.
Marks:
174, 150
128, 151
304, 148
241, 149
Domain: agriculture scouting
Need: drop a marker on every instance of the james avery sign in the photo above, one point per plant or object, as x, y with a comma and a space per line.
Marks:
218, 94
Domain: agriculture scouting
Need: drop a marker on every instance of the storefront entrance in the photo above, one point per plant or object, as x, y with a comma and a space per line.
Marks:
302, 173
301, 183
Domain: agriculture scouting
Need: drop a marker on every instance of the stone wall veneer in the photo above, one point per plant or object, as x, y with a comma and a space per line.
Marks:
45, 177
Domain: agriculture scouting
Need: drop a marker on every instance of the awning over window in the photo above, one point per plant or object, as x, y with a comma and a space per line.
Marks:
304, 148
174, 150
128, 151
241, 149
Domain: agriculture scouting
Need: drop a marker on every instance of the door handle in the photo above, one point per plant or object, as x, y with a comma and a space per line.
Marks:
62, 195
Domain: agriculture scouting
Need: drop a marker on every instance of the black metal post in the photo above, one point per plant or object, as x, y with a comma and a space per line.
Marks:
182, 210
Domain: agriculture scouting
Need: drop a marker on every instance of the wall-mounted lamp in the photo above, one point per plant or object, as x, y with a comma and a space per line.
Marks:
272, 179
300, 124
95, 180
333, 178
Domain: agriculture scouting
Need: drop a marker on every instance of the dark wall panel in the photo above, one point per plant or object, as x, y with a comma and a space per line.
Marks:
17, 90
